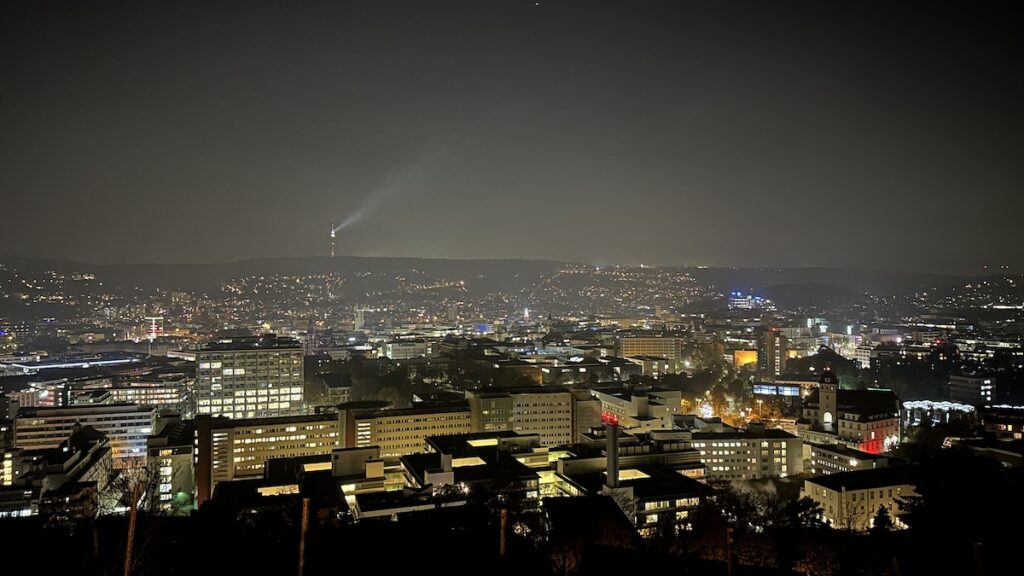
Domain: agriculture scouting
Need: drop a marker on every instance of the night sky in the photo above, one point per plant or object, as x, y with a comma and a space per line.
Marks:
718, 133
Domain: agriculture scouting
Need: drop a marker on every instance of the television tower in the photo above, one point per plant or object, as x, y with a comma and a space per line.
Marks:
332, 238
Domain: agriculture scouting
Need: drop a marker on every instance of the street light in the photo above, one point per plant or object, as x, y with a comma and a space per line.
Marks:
760, 411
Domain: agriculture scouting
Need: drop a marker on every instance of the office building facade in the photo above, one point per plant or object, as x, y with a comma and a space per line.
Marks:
256, 377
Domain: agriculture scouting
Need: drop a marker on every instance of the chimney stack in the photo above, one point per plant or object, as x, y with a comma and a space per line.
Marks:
612, 432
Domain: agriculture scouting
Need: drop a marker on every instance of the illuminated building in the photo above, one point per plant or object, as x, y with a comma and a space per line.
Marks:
126, 425
772, 346
154, 327
668, 448
73, 361
406, 349
835, 458
170, 391
639, 409
850, 500
338, 393
399, 431
657, 499
581, 370
1003, 421
863, 355
250, 377
741, 301
973, 389
6, 468
749, 454
478, 459
788, 393
543, 410
170, 453
867, 420
653, 366
668, 347
741, 358
228, 449
69, 477
918, 412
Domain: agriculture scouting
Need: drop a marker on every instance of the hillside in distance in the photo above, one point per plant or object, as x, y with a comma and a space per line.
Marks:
208, 277
789, 286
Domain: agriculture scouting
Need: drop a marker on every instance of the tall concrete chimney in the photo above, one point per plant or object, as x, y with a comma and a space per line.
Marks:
612, 433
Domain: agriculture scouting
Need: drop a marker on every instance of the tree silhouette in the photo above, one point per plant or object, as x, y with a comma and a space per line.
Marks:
882, 522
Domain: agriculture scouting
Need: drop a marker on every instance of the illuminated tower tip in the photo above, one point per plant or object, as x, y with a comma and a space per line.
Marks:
332, 239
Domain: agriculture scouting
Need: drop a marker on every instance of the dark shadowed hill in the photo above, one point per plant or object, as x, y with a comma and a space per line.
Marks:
879, 282
789, 296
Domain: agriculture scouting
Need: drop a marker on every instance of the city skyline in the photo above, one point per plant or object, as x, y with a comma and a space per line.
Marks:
803, 134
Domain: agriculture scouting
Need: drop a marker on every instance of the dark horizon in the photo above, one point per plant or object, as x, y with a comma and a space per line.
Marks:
725, 134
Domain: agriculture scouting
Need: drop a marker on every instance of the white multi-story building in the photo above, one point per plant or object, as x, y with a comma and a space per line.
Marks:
836, 458
543, 410
250, 378
863, 355
400, 431
749, 454
126, 425
406, 349
639, 410
850, 500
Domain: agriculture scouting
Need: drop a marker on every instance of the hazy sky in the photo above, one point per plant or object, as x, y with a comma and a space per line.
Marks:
723, 133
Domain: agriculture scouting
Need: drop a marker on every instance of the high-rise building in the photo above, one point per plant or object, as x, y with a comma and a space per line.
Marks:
252, 377
771, 353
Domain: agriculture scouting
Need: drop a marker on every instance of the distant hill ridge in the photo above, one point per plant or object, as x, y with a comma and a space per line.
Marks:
785, 283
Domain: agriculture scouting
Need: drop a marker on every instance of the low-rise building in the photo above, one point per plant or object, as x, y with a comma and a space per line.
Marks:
835, 458
639, 409
407, 349
850, 500
976, 389
653, 366
1003, 421
69, 479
